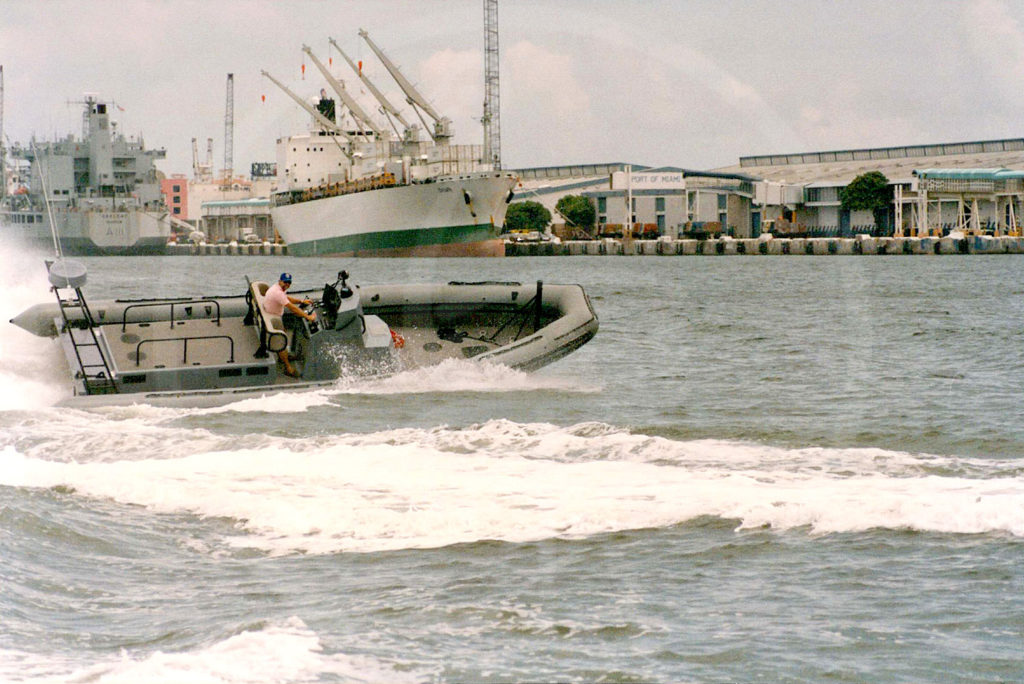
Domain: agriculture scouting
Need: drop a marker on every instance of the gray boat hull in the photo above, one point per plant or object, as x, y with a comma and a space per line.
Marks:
209, 351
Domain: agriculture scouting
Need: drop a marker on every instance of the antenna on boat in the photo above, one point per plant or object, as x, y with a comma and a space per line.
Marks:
46, 200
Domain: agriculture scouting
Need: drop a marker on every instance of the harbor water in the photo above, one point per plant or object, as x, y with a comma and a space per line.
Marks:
781, 469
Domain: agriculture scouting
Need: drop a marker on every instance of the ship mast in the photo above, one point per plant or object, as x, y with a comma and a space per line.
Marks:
442, 129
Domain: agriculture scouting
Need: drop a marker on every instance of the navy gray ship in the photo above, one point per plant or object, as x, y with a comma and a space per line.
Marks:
103, 191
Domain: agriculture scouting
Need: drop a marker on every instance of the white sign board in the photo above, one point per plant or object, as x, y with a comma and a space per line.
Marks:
649, 181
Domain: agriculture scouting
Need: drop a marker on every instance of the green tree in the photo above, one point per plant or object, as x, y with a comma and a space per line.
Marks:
527, 216
577, 211
868, 192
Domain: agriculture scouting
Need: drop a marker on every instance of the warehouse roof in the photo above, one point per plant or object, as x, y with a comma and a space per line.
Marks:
839, 167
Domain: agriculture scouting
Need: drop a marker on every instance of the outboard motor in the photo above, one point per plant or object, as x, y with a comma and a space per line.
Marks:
348, 318
349, 340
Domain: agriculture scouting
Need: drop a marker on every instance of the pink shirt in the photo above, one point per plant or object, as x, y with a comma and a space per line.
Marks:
275, 300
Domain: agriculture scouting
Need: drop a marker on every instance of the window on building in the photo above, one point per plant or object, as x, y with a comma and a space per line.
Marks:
176, 199
821, 194
602, 204
722, 200
661, 223
177, 210
659, 204
176, 188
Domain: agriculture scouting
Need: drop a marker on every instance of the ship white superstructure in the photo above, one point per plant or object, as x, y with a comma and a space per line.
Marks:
351, 185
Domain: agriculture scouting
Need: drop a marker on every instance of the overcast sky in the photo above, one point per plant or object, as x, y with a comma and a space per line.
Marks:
686, 83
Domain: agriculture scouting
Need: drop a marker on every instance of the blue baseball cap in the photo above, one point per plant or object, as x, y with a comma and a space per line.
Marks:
286, 277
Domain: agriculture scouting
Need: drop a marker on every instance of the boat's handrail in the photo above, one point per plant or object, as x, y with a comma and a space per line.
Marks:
185, 340
124, 314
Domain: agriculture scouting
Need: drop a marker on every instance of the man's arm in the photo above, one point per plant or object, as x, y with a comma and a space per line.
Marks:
299, 312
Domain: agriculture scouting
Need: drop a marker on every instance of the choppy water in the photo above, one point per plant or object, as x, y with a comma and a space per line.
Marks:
776, 469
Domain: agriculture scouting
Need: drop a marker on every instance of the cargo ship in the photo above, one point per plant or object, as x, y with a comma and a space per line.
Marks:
353, 186
103, 192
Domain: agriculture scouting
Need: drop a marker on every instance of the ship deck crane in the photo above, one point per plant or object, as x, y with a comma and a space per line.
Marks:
320, 118
363, 119
442, 129
203, 172
208, 174
389, 109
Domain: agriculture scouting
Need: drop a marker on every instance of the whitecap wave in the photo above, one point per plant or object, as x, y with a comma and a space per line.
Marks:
424, 488
287, 651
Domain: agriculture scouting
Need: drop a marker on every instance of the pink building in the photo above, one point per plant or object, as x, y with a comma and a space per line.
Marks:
175, 190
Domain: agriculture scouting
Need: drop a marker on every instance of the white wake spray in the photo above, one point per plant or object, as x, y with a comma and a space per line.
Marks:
460, 375
31, 368
422, 488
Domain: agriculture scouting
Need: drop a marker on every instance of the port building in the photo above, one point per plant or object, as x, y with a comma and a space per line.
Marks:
968, 186
974, 187
645, 200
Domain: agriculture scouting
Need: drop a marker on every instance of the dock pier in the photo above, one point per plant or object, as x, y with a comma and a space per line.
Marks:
860, 245
227, 249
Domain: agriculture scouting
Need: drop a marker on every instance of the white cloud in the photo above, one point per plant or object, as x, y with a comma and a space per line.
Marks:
452, 82
660, 82
540, 77
997, 43
544, 107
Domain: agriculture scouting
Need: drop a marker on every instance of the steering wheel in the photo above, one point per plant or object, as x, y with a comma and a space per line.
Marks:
314, 325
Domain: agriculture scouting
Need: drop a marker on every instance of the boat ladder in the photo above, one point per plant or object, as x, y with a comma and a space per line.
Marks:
96, 376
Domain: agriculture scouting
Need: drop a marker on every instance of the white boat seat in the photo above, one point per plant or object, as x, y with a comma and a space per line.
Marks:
277, 336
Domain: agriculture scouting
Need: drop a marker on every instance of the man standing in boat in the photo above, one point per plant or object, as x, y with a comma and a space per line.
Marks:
275, 301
